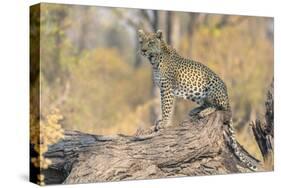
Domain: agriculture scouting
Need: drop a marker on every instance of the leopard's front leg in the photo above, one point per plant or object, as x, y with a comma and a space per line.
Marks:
167, 103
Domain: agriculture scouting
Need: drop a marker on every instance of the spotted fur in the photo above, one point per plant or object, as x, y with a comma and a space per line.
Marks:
188, 79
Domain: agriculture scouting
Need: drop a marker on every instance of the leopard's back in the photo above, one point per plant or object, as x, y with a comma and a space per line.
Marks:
195, 81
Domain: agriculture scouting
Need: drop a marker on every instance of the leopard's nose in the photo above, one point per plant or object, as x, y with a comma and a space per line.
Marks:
143, 50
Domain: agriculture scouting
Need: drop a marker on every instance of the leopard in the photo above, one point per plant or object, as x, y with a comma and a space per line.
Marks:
180, 77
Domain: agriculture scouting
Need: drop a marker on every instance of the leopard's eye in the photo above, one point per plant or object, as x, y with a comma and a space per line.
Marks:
150, 43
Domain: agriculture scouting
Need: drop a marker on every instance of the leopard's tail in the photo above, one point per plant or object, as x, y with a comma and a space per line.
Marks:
239, 151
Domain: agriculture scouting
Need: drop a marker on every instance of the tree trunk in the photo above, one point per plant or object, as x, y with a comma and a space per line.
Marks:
175, 34
195, 147
169, 26
154, 110
264, 131
192, 25
83, 30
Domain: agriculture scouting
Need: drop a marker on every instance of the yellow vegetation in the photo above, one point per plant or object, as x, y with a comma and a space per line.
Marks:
44, 133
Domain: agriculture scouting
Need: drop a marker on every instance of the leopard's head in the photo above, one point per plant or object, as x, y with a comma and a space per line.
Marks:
150, 43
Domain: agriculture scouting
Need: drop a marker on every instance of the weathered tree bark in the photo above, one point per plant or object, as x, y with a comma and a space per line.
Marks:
195, 147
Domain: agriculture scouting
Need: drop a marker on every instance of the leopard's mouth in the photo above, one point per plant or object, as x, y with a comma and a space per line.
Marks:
149, 55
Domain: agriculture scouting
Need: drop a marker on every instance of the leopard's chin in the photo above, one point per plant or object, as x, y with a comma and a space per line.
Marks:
151, 56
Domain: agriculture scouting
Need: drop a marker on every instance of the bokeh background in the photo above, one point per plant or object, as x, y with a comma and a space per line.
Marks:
92, 71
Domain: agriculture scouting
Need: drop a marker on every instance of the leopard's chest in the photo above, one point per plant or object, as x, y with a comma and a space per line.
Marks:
156, 76
162, 70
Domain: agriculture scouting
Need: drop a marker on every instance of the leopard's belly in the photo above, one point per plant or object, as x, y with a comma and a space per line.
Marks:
190, 93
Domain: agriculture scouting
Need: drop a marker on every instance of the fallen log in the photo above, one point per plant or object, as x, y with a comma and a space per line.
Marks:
195, 147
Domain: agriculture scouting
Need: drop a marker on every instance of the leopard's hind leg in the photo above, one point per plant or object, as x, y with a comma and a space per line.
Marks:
207, 107
207, 111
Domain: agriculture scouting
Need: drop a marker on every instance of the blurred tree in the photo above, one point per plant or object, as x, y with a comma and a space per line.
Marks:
84, 30
53, 25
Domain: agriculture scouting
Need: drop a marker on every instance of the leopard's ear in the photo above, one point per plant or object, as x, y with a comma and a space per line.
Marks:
159, 34
141, 33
